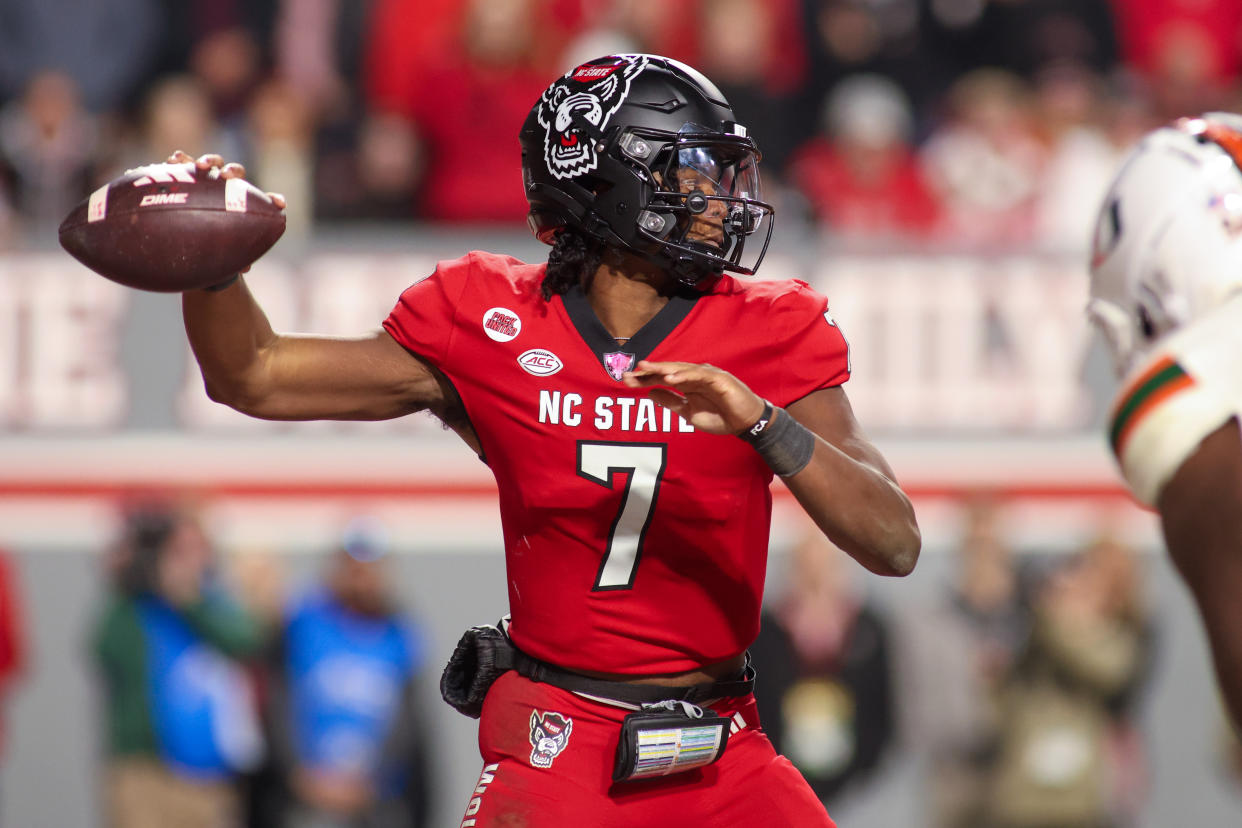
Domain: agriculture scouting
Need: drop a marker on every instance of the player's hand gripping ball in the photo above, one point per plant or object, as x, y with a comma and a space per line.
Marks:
172, 227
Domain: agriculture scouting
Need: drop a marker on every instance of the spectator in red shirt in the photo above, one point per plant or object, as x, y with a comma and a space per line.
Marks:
482, 84
402, 34
1158, 36
654, 27
862, 178
754, 52
1190, 51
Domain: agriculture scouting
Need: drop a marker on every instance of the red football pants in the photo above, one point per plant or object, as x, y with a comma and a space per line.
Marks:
750, 785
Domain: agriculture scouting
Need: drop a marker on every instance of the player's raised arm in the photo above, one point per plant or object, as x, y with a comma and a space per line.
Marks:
248, 366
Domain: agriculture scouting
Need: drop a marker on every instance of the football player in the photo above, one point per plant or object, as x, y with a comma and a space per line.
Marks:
633, 398
1166, 291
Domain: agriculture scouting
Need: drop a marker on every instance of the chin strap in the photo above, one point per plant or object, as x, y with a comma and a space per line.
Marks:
690, 270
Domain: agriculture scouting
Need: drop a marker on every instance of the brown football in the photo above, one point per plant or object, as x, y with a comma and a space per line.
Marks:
172, 227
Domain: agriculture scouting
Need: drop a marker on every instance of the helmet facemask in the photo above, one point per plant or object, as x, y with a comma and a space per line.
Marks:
705, 199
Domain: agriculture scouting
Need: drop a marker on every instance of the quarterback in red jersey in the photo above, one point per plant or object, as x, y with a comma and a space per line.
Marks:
633, 399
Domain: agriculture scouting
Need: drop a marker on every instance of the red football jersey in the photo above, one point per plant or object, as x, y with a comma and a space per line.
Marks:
634, 543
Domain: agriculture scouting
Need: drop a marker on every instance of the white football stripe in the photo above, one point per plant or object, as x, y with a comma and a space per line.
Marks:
235, 195
97, 205
164, 174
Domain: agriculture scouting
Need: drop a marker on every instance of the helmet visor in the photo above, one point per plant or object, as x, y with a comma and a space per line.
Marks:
719, 170
728, 178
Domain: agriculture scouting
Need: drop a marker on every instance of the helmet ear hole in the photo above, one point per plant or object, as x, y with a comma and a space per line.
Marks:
597, 186
1146, 325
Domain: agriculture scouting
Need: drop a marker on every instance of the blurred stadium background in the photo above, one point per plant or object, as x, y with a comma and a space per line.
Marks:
935, 166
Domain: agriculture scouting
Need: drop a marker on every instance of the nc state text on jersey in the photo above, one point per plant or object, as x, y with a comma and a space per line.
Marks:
623, 413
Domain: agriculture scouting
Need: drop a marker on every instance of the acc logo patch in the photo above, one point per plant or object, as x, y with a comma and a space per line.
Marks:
576, 108
549, 733
539, 362
501, 324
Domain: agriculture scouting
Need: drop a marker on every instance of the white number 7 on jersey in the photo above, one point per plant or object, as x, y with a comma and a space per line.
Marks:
643, 466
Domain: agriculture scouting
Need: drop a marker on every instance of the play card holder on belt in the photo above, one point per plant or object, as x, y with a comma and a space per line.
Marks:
668, 737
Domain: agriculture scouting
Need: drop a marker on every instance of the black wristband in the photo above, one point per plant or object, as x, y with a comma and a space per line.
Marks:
751, 433
226, 283
784, 443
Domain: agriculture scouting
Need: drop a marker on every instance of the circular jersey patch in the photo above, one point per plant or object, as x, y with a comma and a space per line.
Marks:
501, 324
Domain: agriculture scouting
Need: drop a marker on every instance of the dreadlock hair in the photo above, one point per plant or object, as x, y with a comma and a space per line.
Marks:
574, 256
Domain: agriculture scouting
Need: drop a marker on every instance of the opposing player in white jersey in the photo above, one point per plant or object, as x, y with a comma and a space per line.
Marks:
1166, 291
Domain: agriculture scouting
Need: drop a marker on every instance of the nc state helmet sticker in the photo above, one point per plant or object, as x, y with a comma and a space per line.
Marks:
549, 733
593, 92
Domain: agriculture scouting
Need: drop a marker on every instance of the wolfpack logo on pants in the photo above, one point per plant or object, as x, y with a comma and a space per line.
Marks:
549, 733
576, 108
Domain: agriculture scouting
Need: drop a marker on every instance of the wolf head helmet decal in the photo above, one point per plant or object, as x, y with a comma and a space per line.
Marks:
576, 109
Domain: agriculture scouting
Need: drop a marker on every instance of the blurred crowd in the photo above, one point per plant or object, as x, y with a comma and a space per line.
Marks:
234, 695
972, 123
1017, 688
230, 698
1025, 682
236, 692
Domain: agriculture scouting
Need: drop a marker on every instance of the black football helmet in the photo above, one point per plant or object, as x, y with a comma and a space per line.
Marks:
642, 152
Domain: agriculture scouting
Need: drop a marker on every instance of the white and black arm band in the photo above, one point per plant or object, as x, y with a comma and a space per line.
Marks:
784, 443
